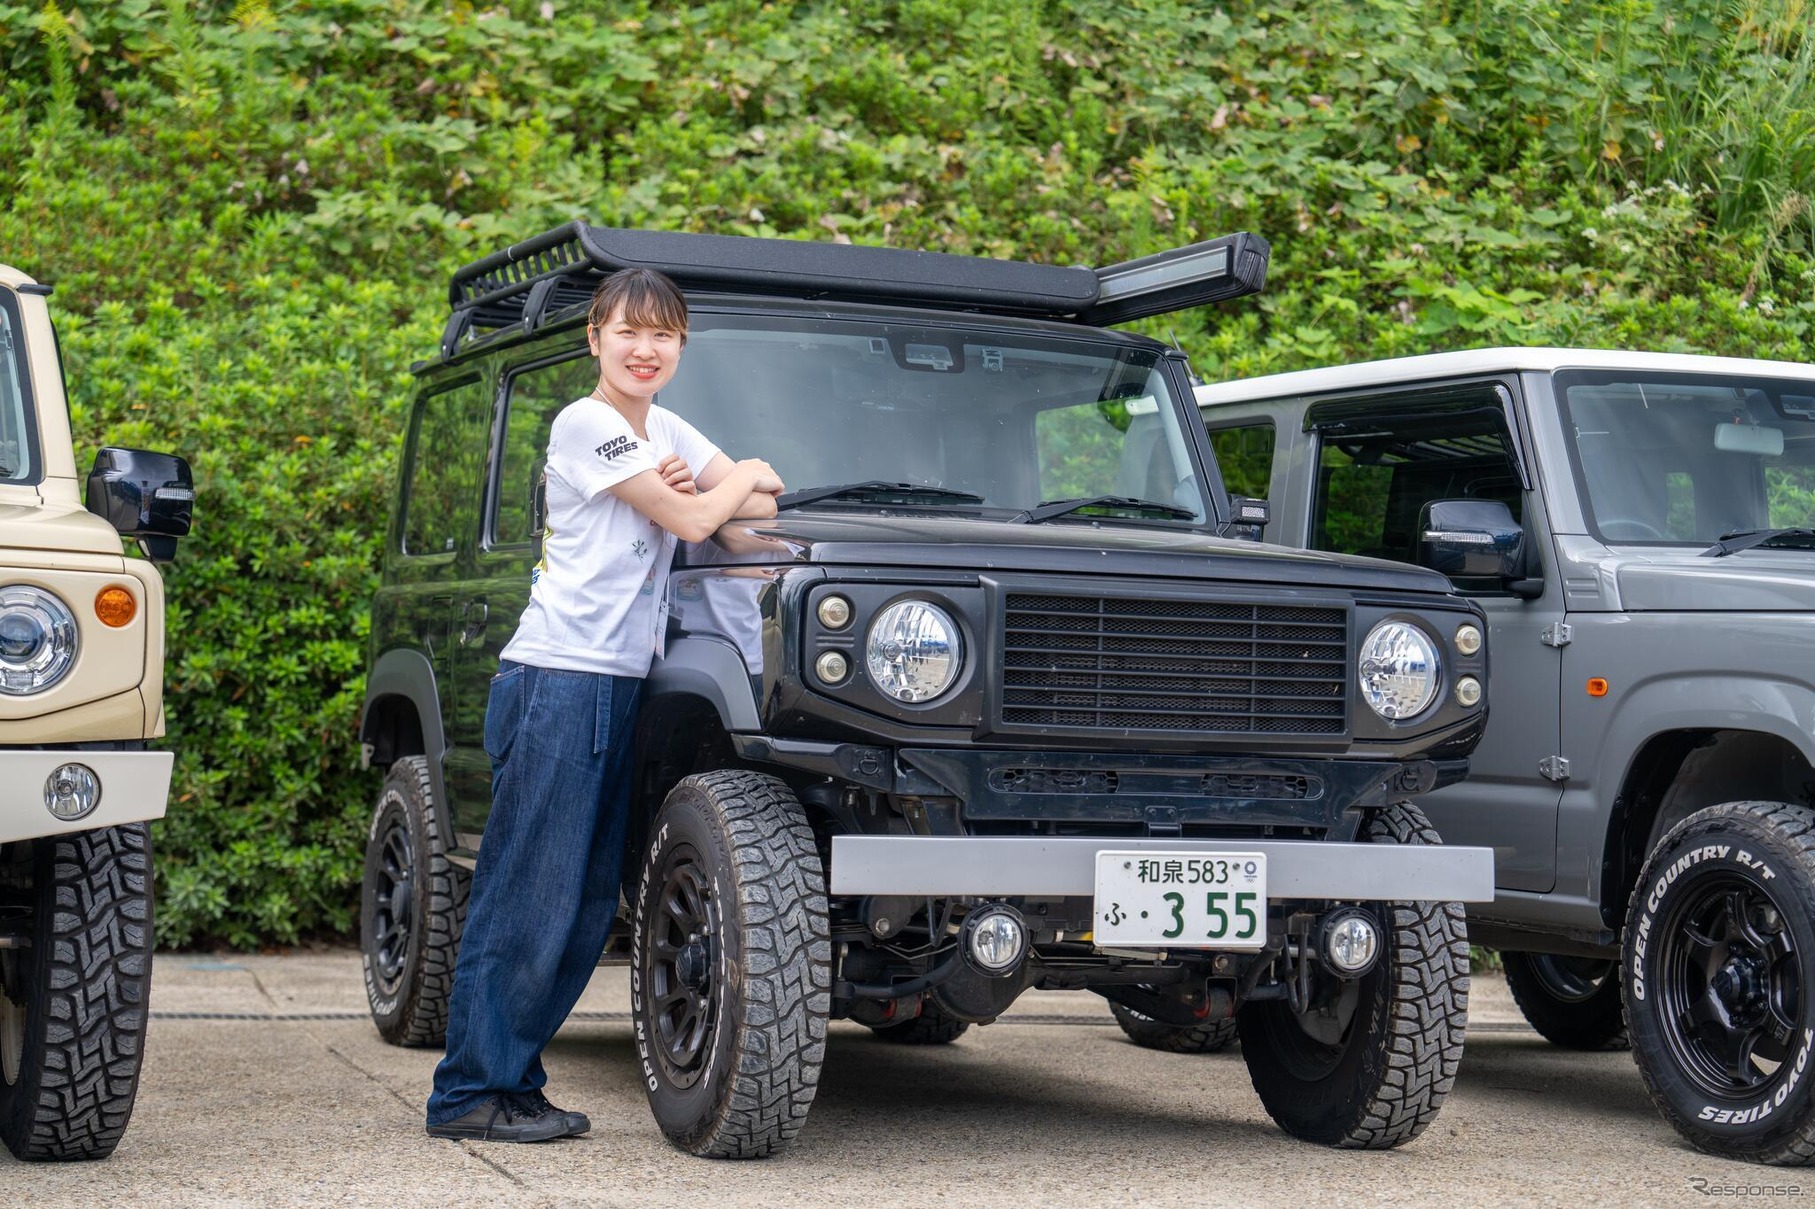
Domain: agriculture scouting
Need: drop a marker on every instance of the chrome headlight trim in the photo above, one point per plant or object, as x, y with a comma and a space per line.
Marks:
913, 651
38, 640
1398, 670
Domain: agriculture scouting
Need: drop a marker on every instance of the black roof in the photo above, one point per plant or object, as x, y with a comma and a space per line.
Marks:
521, 285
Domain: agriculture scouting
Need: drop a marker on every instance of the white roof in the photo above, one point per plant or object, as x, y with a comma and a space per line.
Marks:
13, 277
1405, 370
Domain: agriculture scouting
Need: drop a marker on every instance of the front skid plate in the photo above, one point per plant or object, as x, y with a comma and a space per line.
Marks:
1002, 866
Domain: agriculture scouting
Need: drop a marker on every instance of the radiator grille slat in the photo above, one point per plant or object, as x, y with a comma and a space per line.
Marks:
1189, 667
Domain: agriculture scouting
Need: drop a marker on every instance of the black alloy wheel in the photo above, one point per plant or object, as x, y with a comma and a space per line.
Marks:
393, 914
683, 986
1573, 1002
1729, 978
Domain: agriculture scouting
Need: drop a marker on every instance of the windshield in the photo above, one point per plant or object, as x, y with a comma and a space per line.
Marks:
1689, 458
999, 422
15, 440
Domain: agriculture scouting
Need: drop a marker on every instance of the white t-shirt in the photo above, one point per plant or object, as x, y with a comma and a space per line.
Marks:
598, 599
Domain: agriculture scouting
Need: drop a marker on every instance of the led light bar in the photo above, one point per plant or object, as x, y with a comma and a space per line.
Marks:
1216, 270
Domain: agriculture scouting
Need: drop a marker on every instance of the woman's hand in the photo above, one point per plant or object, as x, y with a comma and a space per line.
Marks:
767, 480
677, 474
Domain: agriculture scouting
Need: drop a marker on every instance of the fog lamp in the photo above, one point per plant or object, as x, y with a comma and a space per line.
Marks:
1349, 942
72, 792
995, 938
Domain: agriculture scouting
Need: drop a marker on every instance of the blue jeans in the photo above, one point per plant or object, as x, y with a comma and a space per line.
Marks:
546, 885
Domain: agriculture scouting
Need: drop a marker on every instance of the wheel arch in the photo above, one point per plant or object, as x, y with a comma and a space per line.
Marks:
1675, 773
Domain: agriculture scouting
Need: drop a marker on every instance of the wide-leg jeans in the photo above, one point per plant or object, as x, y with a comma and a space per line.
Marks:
546, 884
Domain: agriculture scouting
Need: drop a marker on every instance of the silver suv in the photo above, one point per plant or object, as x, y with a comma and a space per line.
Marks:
1640, 531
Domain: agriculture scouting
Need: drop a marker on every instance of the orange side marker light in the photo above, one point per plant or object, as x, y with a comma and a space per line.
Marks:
115, 606
1597, 687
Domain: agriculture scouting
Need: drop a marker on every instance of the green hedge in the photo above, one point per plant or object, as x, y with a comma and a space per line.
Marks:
250, 211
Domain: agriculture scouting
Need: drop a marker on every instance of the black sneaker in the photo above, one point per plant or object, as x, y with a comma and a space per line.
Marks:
536, 1104
504, 1119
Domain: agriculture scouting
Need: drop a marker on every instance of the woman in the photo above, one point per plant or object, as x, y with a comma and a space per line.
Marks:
559, 719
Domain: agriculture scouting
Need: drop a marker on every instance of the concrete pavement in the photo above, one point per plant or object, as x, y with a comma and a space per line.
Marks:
265, 1084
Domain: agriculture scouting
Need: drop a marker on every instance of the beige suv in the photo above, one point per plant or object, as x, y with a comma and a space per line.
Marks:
81, 667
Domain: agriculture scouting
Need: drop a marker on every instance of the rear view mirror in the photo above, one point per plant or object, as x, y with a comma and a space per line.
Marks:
1749, 438
1471, 539
147, 496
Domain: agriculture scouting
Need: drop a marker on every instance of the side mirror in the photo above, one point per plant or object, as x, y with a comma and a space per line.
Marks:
147, 496
1471, 539
1248, 518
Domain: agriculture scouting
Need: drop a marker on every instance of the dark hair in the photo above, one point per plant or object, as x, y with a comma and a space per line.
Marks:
649, 298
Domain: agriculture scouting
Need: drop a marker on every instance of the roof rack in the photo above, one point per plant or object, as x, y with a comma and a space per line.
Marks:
521, 285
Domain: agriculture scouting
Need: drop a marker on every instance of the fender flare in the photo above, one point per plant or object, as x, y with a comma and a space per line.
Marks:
1726, 701
408, 674
712, 670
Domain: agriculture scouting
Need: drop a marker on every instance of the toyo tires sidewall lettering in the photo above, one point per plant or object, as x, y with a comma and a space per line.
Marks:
1721, 844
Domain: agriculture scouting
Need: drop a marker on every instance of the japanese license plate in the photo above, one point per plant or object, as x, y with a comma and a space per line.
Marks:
1178, 901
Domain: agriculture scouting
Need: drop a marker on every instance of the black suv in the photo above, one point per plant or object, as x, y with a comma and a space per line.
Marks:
1001, 700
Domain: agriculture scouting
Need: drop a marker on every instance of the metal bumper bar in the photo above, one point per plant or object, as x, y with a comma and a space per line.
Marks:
135, 785
1060, 866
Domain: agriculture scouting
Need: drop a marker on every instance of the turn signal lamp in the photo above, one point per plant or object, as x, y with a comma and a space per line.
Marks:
115, 606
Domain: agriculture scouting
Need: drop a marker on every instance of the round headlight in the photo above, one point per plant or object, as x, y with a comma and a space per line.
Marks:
37, 640
913, 651
1398, 670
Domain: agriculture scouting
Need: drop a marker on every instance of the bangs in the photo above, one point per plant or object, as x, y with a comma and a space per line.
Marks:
649, 299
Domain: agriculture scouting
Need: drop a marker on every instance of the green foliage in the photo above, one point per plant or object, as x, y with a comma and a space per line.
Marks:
250, 211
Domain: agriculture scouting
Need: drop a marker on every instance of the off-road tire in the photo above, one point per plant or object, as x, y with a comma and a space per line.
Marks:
1384, 1081
1573, 1002
412, 907
731, 965
1719, 954
68, 1082
931, 1027
1149, 1033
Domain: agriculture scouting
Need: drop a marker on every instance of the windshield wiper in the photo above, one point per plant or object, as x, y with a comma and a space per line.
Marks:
1745, 539
876, 491
1047, 511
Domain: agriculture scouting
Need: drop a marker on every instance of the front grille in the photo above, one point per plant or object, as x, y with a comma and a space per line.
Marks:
1185, 666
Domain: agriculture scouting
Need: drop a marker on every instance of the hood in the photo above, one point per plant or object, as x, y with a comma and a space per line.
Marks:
1752, 581
52, 526
1129, 551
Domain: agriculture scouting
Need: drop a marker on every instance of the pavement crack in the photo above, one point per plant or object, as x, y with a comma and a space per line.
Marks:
269, 997
500, 1169
398, 1096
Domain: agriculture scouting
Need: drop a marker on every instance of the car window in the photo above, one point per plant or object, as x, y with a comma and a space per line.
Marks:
1244, 453
1377, 470
445, 459
535, 396
1687, 458
15, 433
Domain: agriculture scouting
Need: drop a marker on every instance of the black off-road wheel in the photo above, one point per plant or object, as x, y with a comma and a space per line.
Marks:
1149, 1033
412, 907
73, 1003
1573, 1002
1719, 954
731, 966
931, 1027
1371, 1072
